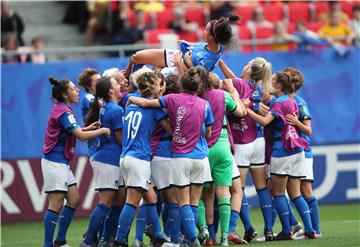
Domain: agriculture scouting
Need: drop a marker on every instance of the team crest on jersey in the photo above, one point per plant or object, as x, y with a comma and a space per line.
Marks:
71, 119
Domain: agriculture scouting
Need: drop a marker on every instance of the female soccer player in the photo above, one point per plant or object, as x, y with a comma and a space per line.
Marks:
287, 156
249, 140
87, 80
217, 35
135, 159
190, 118
105, 161
220, 157
303, 123
59, 146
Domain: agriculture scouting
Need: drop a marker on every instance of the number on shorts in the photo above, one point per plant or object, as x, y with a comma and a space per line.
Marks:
134, 120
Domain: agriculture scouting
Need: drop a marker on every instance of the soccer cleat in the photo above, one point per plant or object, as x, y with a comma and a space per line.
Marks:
250, 234
138, 243
203, 234
310, 235
103, 243
60, 244
195, 243
318, 235
210, 242
119, 244
297, 230
236, 239
149, 232
224, 240
268, 235
84, 245
283, 236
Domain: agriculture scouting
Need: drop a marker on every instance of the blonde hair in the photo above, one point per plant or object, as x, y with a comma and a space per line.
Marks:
146, 82
261, 70
136, 75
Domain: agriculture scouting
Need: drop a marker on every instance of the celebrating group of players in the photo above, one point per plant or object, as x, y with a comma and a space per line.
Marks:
175, 140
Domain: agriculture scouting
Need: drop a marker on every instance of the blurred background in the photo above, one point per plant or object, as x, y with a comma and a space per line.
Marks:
59, 38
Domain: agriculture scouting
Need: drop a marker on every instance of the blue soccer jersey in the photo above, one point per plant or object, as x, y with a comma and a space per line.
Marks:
109, 150
200, 55
68, 123
201, 149
139, 124
125, 99
164, 147
85, 104
278, 149
304, 113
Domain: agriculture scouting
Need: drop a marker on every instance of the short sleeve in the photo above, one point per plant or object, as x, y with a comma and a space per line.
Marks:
230, 104
68, 122
275, 109
209, 118
304, 112
118, 119
162, 101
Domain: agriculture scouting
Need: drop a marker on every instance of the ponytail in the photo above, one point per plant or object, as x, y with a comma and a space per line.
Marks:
221, 29
59, 88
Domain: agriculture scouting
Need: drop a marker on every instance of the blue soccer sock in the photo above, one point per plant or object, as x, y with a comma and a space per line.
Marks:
265, 204
140, 223
292, 218
159, 204
234, 216
283, 213
110, 223
274, 213
50, 219
164, 214
304, 212
195, 210
188, 222
153, 219
216, 216
96, 217
212, 235
173, 222
314, 213
124, 223
66, 216
244, 213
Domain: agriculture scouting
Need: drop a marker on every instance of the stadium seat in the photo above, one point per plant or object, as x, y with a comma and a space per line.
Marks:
244, 34
291, 27
263, 33
273, 12
314, 26
299, 12
196, 15
163, 18
346, 7
152, 35
188, 36
320, 7
245, 13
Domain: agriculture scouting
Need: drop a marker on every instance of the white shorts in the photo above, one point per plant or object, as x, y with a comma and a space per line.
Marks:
251, 154
235, 170
169, 55
57, 176
106, 177
308, 170
292, 165
136, 172
161, 172
187, 171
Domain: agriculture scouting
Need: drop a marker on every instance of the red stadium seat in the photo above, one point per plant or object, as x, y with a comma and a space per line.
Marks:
263, 33
196, 15
346, 7
314, 26
152, 36
299, 12
164, 18
273, 12
320, 7
245, 13
188, 36
291, 27
132, 18
244, 34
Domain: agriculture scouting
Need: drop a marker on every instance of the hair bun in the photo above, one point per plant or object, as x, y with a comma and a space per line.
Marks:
53, 81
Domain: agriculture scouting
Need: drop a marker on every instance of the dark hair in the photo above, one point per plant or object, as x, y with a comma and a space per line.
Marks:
59, 88
103, 86
221, 29
146, 82
85, 78
204, 81
190, 81
355, 8
284, 78
172, 84
297, 78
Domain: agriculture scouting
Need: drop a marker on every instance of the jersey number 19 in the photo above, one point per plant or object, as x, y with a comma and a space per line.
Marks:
134, 120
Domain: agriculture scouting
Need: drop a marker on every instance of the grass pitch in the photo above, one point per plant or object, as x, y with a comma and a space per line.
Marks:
340, 226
